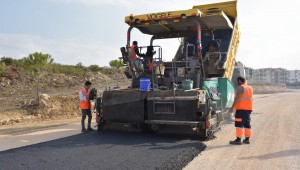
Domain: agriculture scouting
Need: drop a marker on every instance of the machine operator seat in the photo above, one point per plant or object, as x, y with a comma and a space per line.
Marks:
150, 52
213, 46
214, 59
124, 55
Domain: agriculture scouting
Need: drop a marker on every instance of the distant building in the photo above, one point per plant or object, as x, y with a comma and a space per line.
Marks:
262, 75
248, 73
293, 76
280, 75
297, 77
267, 75
270, 75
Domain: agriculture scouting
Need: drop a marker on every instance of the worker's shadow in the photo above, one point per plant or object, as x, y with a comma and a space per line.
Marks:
280, 154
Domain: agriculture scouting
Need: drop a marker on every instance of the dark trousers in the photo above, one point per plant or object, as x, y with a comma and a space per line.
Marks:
242, 121
85, 112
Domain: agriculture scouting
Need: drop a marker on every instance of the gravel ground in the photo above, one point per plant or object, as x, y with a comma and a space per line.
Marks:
105, 150
275, 143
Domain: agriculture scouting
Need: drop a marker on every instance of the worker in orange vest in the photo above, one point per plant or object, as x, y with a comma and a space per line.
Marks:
85, 105
134, 51
133, 56
136, 64
243, 106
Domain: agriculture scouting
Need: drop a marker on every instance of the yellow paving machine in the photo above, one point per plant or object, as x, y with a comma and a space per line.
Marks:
193, 91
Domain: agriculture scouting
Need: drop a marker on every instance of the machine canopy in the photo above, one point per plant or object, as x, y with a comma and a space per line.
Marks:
179, 23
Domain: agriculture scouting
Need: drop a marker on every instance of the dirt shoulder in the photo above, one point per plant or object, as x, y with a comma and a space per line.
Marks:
274, 142
58, 96
34, 126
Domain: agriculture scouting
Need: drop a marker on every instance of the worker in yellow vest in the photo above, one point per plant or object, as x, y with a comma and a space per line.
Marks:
243, 106
85, 105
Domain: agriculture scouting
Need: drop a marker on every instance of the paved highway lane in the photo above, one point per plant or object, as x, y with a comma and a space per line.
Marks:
105, 150
275, 144
275, 141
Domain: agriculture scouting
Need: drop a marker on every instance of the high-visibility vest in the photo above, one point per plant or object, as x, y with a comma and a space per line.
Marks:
87, 104
245, 102
132, 53
150, 66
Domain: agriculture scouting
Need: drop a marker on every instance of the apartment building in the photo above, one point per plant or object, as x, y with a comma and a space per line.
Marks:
293, 76
268, 75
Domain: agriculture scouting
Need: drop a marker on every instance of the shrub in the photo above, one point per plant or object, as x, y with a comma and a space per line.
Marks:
7, 60
94, 68
116, 64
19, 63
67, 70
2, 68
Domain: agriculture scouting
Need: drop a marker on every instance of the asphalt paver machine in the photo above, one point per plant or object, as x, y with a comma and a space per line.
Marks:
193, 91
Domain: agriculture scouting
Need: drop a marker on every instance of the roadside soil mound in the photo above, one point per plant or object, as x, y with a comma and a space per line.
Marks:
59, 99
15, 81
49, 107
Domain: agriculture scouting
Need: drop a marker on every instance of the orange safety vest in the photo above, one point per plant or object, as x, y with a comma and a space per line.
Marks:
87, 104
132, 53
150, 66
245, 102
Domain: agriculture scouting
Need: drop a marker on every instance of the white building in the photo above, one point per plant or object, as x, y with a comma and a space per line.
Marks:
261, 75
271, 75
249, 73
293, 76
267, 75
297, 75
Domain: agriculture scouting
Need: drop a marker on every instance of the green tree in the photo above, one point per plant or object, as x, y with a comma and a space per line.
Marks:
116, 64
38, 63
38, 60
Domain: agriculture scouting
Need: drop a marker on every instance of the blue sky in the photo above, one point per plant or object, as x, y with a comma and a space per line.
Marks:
92, 31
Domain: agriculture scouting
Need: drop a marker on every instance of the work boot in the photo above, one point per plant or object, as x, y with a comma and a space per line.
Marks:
83, 130
246, 140
90, 129
236, 142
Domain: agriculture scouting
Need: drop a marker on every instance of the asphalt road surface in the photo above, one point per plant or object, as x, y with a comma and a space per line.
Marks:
104, 150
275, 144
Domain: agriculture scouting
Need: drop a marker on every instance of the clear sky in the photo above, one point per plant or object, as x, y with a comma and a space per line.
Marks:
92, 31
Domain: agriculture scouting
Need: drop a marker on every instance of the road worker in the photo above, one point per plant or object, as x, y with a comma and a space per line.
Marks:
85, 105
137, 65
243, 106
134, 53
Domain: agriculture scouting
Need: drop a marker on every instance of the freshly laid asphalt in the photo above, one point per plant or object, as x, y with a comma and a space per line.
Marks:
105, 150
